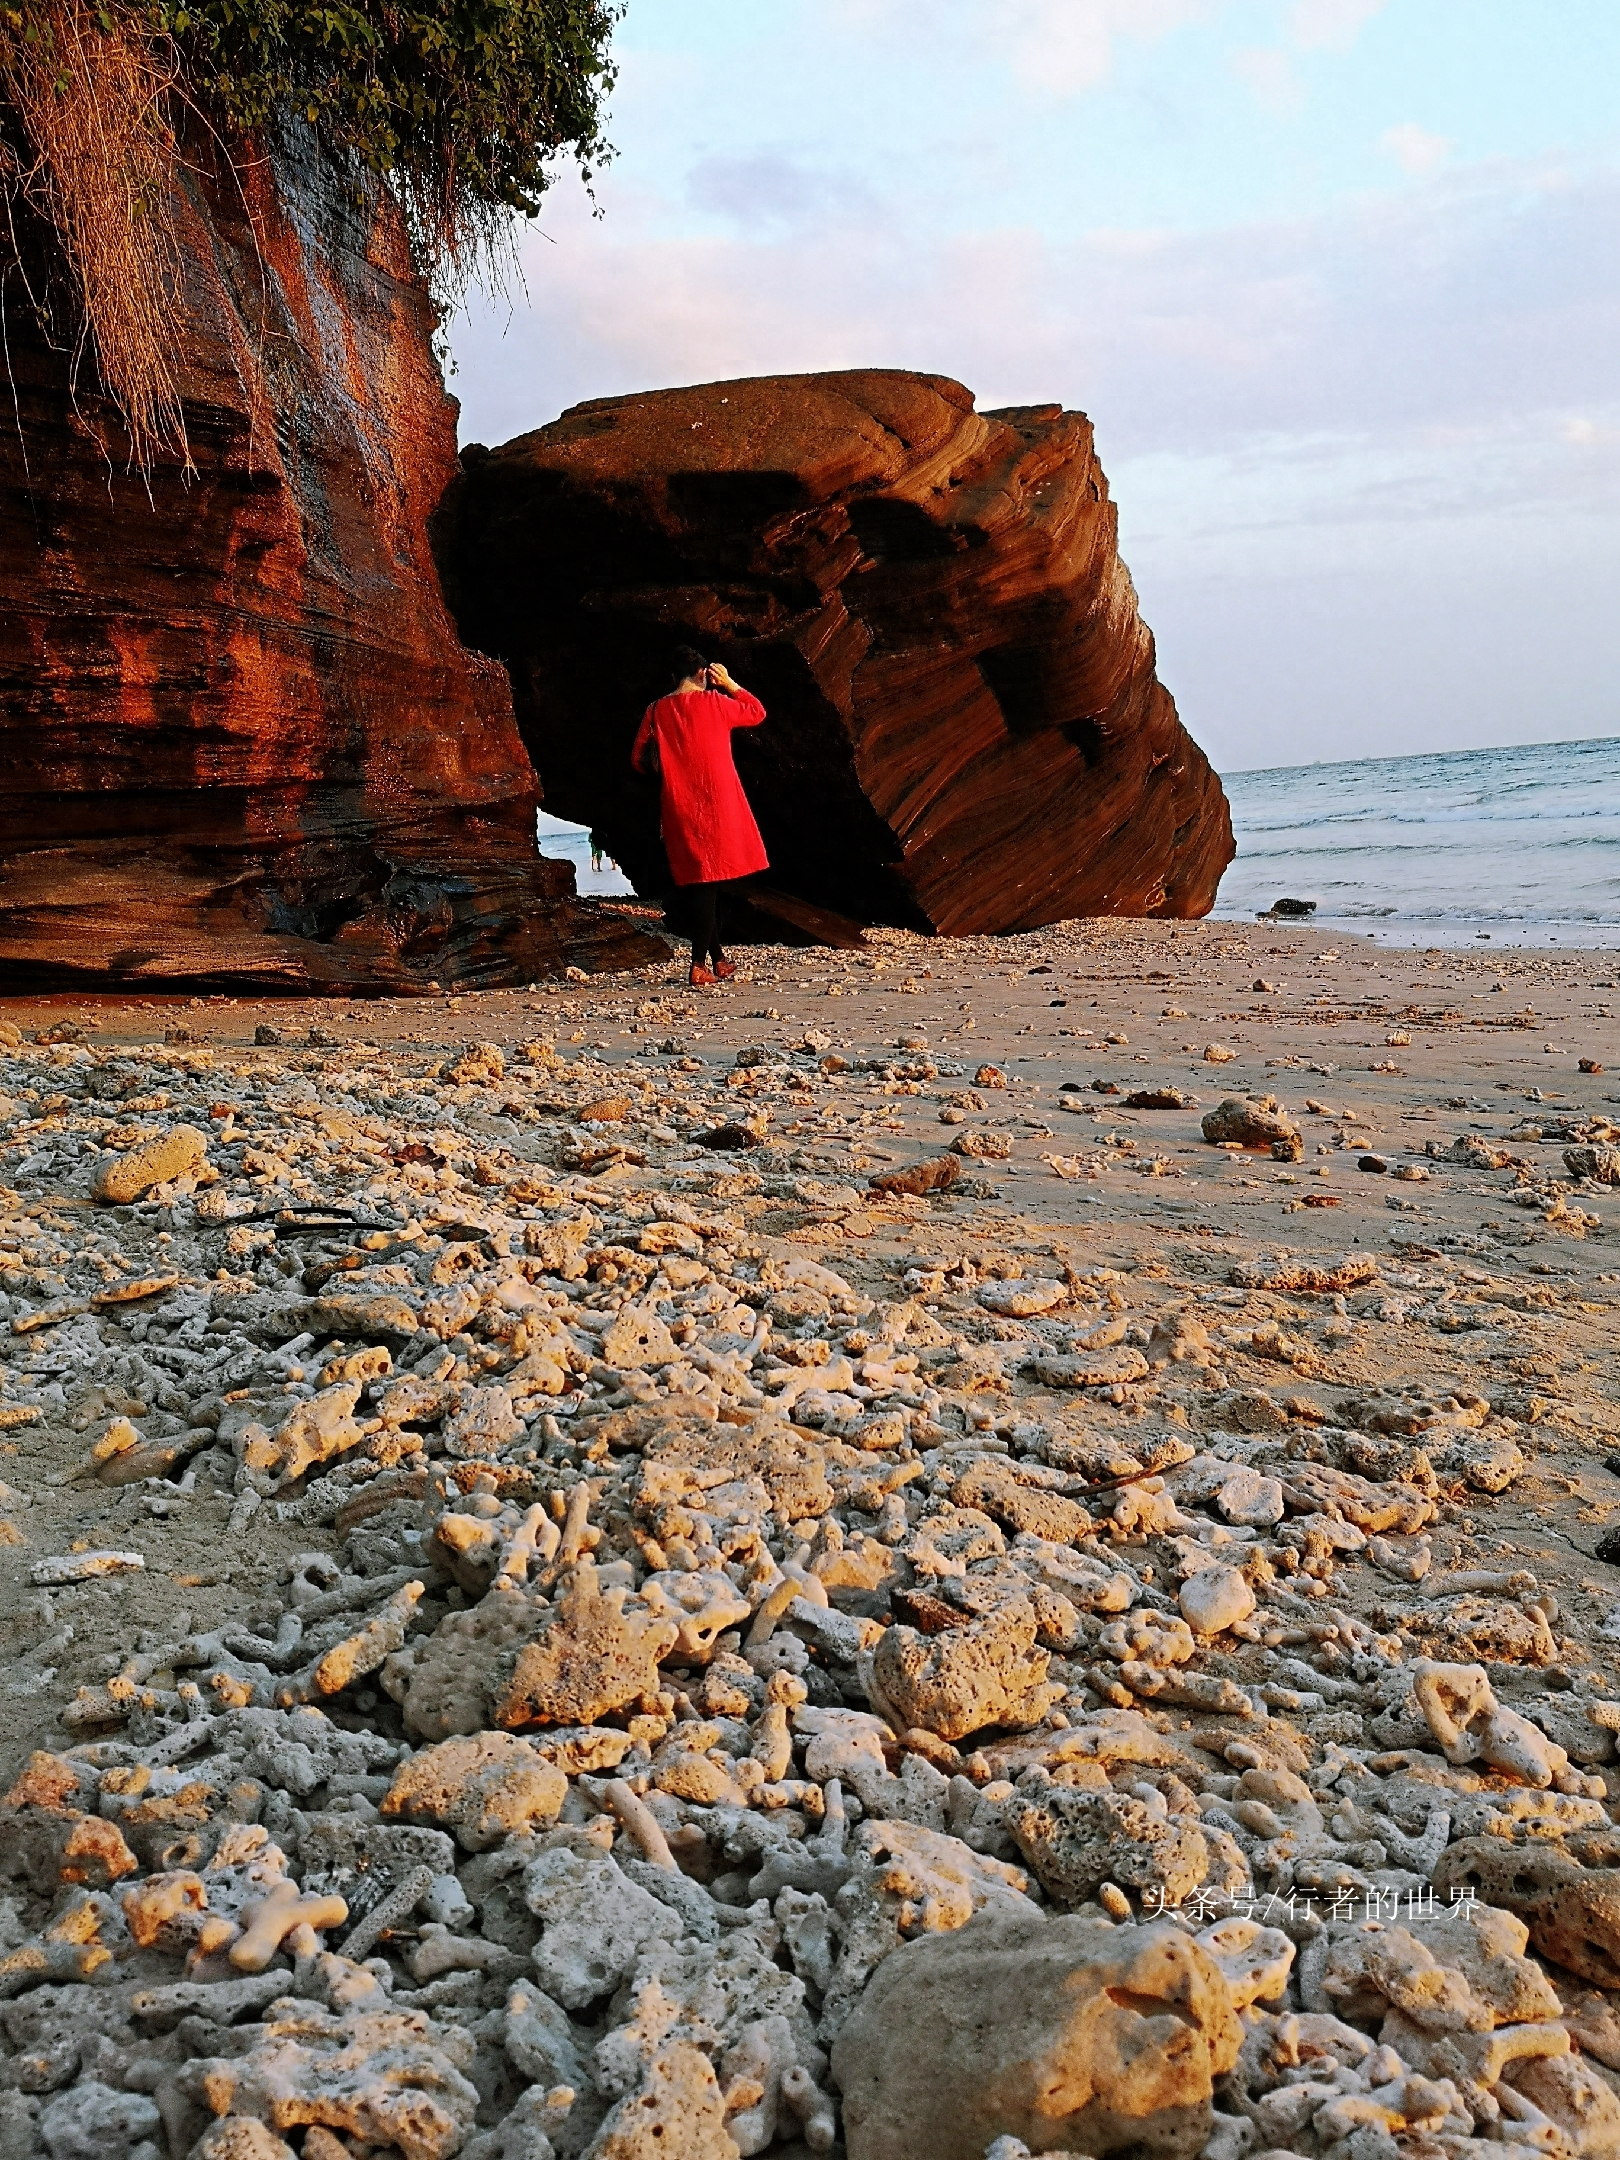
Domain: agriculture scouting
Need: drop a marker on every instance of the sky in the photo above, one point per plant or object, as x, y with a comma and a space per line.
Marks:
1338, 282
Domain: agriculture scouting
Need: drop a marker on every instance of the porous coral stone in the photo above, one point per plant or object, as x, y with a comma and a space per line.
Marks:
1248, 1121
1572, 1911
589, 1657
444, 1685
1076, 1840
486, 1786
1067, 2033
1214, 1599
177, 1153
988, 1673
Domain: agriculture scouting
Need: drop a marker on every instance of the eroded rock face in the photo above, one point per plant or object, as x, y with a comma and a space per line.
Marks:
243, 746
965, 725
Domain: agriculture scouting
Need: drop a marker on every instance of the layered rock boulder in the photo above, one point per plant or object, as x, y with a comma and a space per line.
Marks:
243, 747
966, 731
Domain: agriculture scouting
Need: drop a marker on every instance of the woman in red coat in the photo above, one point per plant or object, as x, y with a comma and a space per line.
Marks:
709, 831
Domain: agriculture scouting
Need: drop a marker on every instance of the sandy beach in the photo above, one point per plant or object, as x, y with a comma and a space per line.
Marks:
1406, 1333
1393, 1054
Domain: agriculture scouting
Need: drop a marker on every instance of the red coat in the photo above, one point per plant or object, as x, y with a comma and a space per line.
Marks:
709, 830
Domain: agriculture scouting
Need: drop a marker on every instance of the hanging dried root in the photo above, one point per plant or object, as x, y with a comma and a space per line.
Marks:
92, 153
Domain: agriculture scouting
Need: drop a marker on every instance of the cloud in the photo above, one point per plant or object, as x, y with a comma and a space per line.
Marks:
1066, 46
1588, 434
770, 187
1414, 149
1336, 24
1057, 48
1398, 410
1270, 77
1486, 293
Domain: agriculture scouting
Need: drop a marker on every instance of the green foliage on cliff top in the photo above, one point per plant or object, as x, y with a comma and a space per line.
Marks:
459, 107
460, 103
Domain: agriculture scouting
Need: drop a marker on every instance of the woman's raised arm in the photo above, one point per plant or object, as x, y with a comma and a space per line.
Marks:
749, 712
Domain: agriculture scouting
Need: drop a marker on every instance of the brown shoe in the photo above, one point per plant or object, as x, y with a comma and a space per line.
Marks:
701, 979
724, 970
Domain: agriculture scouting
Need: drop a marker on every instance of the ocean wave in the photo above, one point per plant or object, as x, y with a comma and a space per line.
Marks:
1553, 918
1601, 749
1492, 859
1330, 908
1452, 817
1524, 840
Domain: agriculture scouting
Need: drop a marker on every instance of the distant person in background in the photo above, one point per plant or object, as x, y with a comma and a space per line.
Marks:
709, 831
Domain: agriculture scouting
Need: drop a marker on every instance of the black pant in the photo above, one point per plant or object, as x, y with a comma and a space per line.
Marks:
703, 913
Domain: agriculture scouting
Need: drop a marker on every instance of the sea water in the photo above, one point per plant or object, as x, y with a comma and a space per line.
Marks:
1515, 847
572, 844
1512, 847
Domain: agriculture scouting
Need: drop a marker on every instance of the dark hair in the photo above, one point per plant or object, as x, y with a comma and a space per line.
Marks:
684, 661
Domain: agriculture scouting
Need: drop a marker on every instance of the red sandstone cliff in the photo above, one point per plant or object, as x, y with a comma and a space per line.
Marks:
966, 730
240, 743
